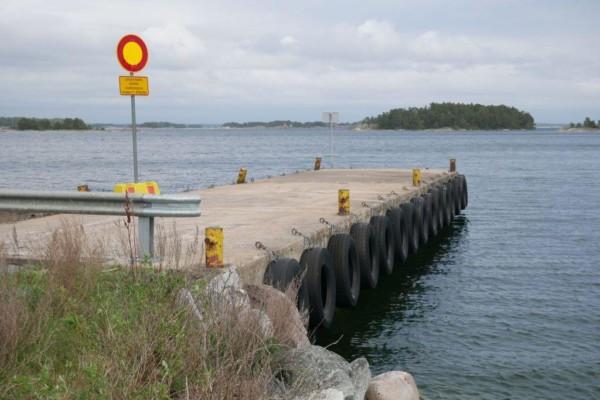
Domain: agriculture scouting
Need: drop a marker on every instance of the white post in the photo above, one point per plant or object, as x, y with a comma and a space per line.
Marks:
330, 118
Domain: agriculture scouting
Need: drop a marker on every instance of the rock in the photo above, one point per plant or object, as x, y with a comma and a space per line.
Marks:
260, 318
361, 376
327, 394
229, 279
393, 385
310, 370
225, 290
288, 326
186, 299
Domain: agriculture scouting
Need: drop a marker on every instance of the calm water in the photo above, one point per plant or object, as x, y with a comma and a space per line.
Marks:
505, 304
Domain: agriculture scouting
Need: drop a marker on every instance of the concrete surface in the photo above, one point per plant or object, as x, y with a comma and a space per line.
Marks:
265, 210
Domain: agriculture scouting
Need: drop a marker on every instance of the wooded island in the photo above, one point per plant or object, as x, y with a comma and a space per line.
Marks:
43, 124
453, 115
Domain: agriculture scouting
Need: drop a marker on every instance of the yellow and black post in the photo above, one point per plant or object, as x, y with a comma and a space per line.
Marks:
343, 201
213, 240
416, 177
242, 176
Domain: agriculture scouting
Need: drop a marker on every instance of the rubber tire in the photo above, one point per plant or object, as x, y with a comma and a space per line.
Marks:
446, 211
368, 254
282, 273
400, 227
452, 194
426, 218
465, 193
408, 209
435, 209
457, 194
441, 208
417, 224
320, 285
385, 242
343, 253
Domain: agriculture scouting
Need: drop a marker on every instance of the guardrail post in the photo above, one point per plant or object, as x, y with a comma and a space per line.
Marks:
146, 235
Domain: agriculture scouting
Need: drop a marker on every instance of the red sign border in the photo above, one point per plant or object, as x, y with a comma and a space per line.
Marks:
121, 45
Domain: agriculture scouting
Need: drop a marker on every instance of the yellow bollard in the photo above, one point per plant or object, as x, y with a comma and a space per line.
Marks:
83, 188
317, 163
452, 165
343, 201
213, 249
416, 177
242, 176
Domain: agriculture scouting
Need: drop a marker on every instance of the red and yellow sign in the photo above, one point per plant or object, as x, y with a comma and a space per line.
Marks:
132, 53
150, 187
133, 85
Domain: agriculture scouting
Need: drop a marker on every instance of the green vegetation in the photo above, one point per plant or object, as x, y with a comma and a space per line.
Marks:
162, 124
275, 124
587, 123
453, 115
43, 124
72, 329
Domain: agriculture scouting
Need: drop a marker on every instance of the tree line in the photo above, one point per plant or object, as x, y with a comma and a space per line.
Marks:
275, 124
43, 124
453, 115
587, 123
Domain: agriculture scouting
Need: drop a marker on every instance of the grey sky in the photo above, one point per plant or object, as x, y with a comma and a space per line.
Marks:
243, 60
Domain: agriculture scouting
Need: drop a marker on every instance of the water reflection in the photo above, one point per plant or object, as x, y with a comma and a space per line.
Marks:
368, 329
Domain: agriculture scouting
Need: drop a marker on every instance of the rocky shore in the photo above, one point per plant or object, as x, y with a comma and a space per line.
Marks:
304, 370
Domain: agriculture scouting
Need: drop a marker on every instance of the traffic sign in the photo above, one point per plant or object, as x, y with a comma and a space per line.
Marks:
133, 85
132, 53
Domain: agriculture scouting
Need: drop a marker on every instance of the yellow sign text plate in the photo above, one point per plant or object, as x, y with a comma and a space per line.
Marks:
133, 86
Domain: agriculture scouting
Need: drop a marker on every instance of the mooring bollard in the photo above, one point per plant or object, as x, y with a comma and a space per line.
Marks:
452, 165
416, 176
317, 163
343, 201
213, 240
242, 176
83, 188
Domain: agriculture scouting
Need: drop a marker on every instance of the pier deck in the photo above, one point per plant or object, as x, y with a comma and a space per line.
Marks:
265, 211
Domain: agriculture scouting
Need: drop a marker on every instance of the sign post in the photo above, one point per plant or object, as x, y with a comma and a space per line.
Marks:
132, 54
331, 118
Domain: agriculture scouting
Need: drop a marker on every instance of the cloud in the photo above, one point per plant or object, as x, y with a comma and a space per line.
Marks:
218, 61
176, 44
287, 41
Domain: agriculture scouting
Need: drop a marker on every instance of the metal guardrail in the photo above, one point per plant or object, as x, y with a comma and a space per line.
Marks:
144, 206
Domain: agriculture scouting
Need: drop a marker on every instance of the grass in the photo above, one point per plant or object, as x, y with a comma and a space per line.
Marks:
73, 329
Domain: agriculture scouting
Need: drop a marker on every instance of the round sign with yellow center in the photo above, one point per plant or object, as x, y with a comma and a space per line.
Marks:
132, 53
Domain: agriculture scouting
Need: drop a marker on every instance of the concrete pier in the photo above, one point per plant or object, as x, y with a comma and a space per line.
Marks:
263, 211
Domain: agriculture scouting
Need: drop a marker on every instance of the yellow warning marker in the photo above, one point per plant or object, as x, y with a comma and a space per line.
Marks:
416, 177
149, 187
242, 176
343, 201
317, 163
452, 165
213, 249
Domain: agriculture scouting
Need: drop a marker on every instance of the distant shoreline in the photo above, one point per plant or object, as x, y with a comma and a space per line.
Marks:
568, 129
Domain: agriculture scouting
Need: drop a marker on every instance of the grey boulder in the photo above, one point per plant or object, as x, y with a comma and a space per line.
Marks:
313, 372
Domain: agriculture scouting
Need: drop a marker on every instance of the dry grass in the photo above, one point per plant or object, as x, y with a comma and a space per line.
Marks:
70, 328
171, 251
